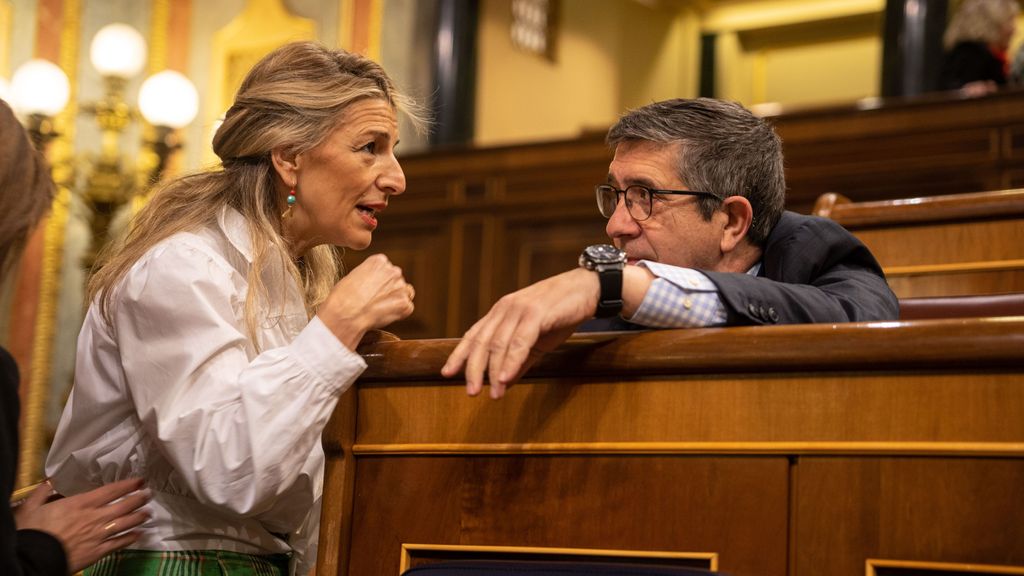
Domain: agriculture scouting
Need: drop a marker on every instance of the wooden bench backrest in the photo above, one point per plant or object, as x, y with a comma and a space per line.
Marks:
953, 245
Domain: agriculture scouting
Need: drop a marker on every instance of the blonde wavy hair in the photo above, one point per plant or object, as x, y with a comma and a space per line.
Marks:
292, 99
980, 21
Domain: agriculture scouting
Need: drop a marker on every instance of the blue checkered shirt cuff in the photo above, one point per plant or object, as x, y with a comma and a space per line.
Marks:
679, 298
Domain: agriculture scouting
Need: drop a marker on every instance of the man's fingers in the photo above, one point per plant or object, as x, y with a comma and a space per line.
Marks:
476, 365
505, 334
518, 353
531, 346
457, 359
467, 358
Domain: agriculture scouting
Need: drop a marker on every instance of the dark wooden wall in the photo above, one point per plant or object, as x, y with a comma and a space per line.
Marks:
477, 224
939, 144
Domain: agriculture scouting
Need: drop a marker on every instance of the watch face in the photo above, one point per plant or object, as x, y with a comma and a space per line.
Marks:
603, 254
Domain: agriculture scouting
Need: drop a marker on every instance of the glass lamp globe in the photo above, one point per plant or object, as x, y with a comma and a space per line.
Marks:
118, 50
169, 99
39, 87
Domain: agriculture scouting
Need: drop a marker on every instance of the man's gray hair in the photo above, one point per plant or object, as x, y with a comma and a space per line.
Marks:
725, 150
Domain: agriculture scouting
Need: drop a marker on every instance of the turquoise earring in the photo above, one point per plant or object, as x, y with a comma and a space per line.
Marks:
291, 202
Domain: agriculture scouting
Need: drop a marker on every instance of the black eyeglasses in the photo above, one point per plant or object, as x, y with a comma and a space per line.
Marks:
639, 199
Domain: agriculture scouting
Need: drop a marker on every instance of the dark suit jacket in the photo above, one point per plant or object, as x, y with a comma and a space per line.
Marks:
970, 62
812, 270
22, 552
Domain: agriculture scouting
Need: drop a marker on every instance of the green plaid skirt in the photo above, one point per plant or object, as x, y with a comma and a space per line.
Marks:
189, 563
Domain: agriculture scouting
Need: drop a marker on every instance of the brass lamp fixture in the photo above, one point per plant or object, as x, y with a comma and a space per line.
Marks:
39, 90
167, 101
118, 53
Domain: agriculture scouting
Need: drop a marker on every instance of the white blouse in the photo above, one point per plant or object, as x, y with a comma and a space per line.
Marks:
228, 439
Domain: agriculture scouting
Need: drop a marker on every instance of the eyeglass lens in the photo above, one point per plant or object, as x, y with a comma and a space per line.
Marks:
638, 201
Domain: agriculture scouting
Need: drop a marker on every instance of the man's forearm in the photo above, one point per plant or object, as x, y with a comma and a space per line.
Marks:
635, 283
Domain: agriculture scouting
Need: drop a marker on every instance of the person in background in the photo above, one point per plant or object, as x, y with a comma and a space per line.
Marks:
976, 43
219, 336
695, 199
66, 535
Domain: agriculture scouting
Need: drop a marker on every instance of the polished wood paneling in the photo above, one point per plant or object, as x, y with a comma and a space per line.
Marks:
339, 482
933, 145
635, 503
962, 242
967, 343
789, 450
896, 412
953, 245
849, 510
999, 204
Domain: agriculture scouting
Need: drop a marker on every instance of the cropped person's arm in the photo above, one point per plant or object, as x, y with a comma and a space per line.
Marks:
238, 431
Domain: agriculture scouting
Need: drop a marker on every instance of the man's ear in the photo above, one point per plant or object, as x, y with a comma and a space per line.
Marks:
286, 164
739, 216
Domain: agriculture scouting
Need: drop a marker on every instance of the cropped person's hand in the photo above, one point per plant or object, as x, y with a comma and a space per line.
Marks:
522, 327
89, 525
979, 88
373, 295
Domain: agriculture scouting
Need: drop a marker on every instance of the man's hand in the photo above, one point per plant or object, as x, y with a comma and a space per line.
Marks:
89, 525
522, 327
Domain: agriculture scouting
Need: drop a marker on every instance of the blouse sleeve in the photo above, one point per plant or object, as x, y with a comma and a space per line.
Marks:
237, 428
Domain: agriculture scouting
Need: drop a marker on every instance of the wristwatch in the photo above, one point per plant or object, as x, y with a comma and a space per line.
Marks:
608, 261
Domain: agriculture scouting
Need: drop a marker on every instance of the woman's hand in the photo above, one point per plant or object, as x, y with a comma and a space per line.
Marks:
372, 295
89, 525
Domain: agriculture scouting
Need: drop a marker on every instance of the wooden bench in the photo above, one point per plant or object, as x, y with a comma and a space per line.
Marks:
953, 245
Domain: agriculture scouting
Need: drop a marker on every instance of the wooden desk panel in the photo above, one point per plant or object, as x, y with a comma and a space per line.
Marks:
789, 450
944, 411
648, 503
958, 511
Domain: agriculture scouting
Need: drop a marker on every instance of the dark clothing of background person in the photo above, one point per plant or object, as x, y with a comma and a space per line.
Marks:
22, 552
971, 62
812, 270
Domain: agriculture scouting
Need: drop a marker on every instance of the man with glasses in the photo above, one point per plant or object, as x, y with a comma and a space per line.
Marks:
694, 200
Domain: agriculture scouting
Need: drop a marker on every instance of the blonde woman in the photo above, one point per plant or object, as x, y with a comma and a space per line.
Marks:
976, 42
219, 336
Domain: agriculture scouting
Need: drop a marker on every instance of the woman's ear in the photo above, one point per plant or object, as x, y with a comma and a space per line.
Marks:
739, 216
286, 164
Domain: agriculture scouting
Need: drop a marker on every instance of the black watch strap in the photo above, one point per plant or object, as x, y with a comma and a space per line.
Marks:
610, 303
